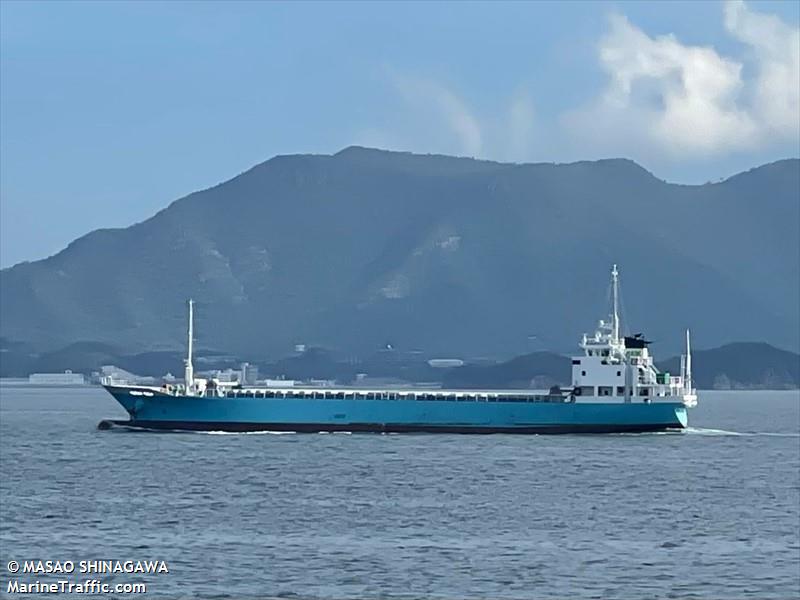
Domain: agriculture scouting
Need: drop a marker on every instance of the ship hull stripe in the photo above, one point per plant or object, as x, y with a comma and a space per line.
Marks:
233, 426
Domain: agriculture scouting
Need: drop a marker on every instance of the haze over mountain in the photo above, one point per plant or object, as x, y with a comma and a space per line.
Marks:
452, 256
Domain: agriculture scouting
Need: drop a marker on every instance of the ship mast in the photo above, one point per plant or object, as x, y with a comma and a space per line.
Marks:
189, 372
688, 380
615, 302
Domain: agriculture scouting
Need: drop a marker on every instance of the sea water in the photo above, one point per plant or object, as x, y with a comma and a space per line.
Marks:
713, 512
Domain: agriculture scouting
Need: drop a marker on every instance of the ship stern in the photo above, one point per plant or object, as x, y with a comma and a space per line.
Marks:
681, 416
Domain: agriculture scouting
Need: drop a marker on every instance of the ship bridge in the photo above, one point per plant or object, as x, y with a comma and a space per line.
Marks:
622, 367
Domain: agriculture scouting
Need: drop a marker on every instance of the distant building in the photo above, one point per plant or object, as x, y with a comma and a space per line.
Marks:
228, 376
65, 378
14, 381
114, 375
388, 382
320, 383
445, 363
249, 374
278, 383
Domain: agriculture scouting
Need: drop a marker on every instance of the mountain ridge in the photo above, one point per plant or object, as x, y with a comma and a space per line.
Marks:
739, 365
364, 247
358, 149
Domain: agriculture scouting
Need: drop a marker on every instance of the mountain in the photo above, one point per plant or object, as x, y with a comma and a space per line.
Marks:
19, 360
449, 256
742, 365
541, 370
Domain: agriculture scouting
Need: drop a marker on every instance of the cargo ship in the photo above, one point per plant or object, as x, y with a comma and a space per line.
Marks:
615, 388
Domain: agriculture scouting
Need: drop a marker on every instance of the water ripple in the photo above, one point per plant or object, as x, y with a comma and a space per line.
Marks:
707, 513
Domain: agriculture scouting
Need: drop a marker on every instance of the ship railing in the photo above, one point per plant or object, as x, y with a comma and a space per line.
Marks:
369, 395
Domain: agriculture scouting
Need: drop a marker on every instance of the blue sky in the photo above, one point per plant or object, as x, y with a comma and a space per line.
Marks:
111, 110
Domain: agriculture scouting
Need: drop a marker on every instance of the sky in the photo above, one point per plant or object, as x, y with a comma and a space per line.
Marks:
109, 111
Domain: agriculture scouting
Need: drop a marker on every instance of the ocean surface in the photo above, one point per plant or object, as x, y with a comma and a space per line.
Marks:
710, 513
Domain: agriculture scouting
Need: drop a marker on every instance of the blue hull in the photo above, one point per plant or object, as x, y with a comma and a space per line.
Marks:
161, 411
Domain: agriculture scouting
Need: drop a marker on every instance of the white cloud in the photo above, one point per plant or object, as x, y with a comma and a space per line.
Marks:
776, 102
433, 118
664, 102
520, 136
427, 94
663, 95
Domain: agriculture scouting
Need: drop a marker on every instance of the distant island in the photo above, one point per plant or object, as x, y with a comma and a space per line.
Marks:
732, 366
743, 365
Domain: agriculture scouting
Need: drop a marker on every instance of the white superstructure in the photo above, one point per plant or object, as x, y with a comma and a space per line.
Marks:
618, 368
